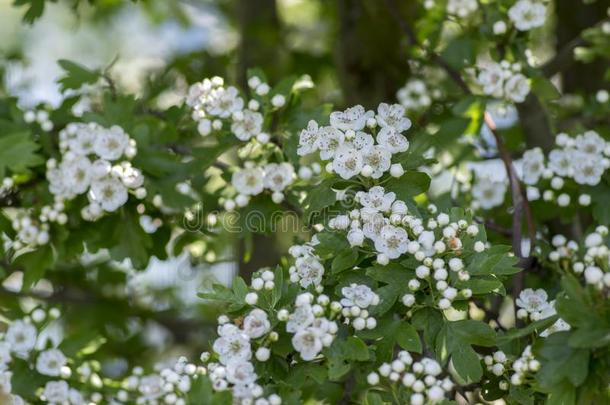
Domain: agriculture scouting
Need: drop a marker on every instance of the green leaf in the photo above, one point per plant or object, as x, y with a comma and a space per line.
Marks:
408, 338
131, 242
537, 326
346, 259
18, 153
34, 11
35, 264
467, 364
561, 362
474, 332
76, 75
545, 89
460, 52
355, 349
319, 198
409, 185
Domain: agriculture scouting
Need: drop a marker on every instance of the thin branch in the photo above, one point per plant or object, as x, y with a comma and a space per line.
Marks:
565, 57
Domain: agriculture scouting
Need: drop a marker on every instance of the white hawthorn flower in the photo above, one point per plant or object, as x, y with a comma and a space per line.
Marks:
379, 159
309, 270
392, 140
301, 318
392, 241
223, 102
232, 347
77, 174
109, 193
590, 143
585, 169
56, 392
489, 193
256, 323
248, 181
376, 199
308, 139
517, 88
308, 343
21, 337
359, 295
328, 141
414, 95
240, 372
278, 176
532, 300
527, 14
560, 161
533, 165
353, 118
110, 144
491, 78
347, 162
50, 362
392, 116
249, 125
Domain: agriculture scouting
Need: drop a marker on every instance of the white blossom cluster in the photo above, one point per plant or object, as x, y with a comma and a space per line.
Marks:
94, 162
29, 232
414, 95
462, 8
393, 232
21, 341
527, 14
583, 159
252, 180
524, 367
234, 370
534, 305
501, 365
167, 385
351, 150
214, 105
503, 80
307, 269
593, 263
357, 298
422, 378
6, 185
311, 324
41, 117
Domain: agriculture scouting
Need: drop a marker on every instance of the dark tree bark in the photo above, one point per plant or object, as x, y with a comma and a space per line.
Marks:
370, 53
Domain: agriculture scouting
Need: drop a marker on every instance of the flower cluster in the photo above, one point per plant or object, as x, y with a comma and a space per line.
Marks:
421, 379
355, 302
386, 223
524, 367
354, 152
527, 14
503, 80
534, 305
251, 180
22, 340
30, 232
581, 160
462, 8
233, 348
92, 163
593, 264
214, 105
41, 117
414, 95
311, 324
307, 269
